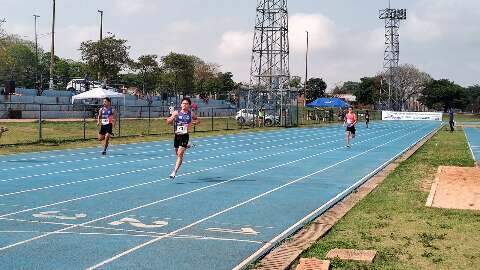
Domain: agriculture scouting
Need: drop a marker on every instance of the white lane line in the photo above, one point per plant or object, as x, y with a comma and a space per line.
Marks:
147, 145
129, 162
190, 237
139, 160
168, 198
279, 133
173, 233
322, 208
167, 165
469, 146
163, 179
309, 134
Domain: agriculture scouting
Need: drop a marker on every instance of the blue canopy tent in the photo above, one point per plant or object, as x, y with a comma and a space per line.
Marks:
328, 103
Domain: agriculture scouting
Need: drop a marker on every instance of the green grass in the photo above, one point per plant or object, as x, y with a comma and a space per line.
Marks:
394, 221
62, 131
68, 135
463, 117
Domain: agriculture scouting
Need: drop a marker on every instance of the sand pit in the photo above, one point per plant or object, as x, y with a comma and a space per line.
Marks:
456, 188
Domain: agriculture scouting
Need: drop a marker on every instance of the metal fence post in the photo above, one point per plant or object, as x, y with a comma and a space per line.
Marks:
212, 119
119, 120
227, 117
84, 123
149, 111
40, 124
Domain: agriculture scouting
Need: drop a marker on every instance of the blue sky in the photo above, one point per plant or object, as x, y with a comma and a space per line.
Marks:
440, 37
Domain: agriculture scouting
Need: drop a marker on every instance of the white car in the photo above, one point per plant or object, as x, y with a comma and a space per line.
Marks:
247, 116
79, 85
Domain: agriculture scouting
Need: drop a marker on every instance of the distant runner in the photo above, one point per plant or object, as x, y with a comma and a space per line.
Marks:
367, 117
182, 120
350, 121
106, 118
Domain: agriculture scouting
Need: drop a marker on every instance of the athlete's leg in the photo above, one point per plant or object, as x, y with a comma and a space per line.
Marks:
348, 138
105, 143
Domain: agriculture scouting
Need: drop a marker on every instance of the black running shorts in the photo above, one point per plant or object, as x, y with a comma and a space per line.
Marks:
106, 129
351, 129
181, 140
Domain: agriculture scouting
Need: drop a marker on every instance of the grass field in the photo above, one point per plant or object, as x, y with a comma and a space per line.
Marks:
394, 221
62, 131
461, 117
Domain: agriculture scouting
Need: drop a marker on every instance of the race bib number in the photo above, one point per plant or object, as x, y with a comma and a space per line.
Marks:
105, 121
181, 129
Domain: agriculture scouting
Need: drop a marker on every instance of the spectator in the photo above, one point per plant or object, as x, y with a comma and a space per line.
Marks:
261, 117
3, 130
451, 120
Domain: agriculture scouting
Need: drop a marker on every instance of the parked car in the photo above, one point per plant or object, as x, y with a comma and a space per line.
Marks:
247, 116
80, 85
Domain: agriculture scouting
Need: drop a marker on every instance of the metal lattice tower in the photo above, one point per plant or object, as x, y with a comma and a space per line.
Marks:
269, 72
390, 98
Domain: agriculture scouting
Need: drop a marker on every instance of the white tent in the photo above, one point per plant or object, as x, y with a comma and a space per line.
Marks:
97, 93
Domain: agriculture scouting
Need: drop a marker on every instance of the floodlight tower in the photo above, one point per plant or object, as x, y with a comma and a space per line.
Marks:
390, 98
269, 71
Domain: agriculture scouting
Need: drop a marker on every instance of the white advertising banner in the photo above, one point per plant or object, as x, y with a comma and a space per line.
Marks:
425, 116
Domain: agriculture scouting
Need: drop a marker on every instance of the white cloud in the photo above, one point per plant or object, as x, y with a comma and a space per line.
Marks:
235, 43
130, 7
182, 27
320, 28
420, 29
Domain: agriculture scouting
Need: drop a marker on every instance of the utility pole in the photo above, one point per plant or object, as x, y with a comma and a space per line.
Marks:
52, 52
306, 74
36, 51
101, 38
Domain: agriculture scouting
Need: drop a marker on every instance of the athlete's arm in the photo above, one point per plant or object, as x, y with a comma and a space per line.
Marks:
114, 118
99, 116
195, 119
172, 117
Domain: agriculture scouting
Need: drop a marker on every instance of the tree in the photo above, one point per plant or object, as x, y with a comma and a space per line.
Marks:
65, 69
473, 93
107, 57
295, 82
179, 69
17, 62
205, 75
227, 85
368, 90
444, 94
411, 82
315, 89
148, 69
346, 88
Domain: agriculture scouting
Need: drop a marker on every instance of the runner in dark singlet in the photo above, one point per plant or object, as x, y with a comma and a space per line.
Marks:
106, 118
182, 121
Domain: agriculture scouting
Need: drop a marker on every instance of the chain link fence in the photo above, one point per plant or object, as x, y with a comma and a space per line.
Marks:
33, 123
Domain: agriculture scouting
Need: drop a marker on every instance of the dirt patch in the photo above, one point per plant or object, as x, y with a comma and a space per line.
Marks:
313, 264
456, 188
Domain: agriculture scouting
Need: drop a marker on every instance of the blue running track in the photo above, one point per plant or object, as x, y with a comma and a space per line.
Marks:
473, 138
235, 197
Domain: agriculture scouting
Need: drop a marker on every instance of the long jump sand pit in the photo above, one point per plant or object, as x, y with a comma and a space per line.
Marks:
456, 188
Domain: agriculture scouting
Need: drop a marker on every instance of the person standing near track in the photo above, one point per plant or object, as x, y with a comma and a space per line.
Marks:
106, 118
367, 117
182, 121
451, 120
350, 121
